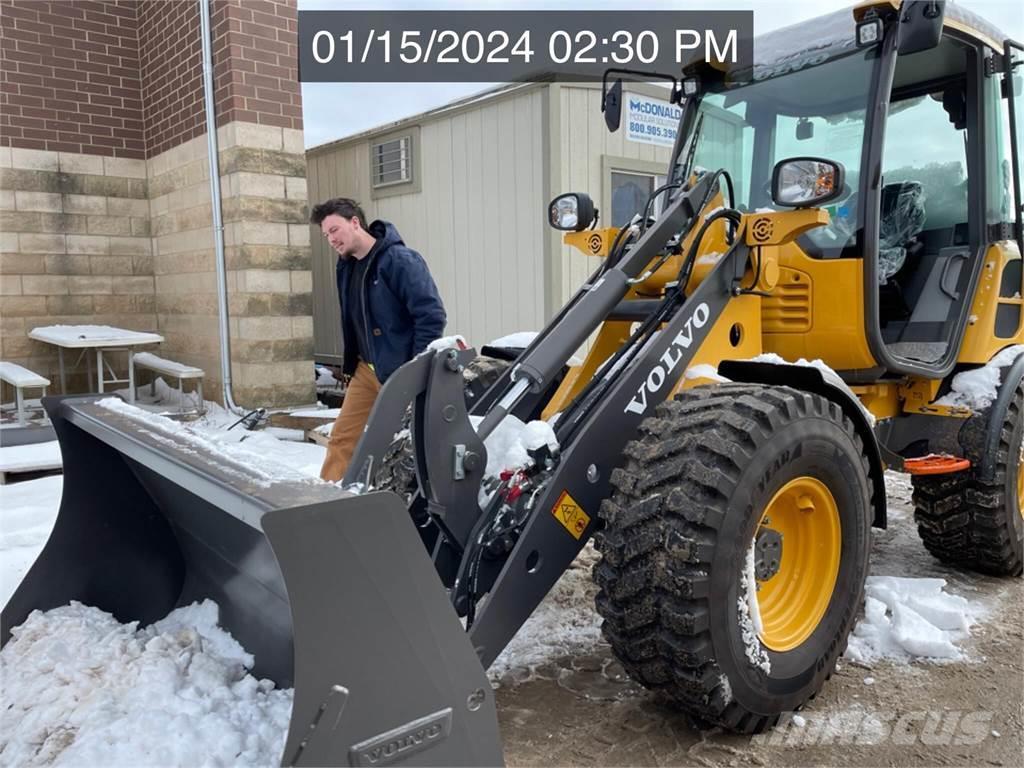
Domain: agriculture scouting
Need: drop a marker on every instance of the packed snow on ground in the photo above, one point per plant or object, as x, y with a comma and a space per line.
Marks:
907, 618
977, 388
29, 458
82, 689
27, 512
564, 624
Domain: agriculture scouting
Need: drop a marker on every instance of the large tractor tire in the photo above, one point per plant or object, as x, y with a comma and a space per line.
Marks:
398, 467
971, 523
724, 486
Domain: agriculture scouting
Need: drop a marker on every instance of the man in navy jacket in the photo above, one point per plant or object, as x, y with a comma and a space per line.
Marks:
390, 312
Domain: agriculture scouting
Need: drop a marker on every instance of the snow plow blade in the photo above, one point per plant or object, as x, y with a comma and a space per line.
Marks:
331, 592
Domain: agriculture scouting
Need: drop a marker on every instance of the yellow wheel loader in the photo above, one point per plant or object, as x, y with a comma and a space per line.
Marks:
853, 201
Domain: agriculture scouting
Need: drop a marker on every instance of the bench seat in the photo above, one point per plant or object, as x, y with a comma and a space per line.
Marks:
173, 370
22, 378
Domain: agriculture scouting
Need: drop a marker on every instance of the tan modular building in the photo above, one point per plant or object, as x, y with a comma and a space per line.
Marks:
467, 185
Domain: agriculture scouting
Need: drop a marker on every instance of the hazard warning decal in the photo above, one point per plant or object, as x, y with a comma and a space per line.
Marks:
570, 515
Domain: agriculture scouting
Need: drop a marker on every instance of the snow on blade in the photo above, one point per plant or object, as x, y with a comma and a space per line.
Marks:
907, 618
80, 688
976, 388
252, 454
750, 617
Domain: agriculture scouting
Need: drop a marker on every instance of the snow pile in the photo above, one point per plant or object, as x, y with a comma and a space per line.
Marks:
325, 378
977, 388
564, 624
704, 371
830, 376
750, 618
519, 340
27, 513
446, 342
906, 618
30, 458
80, 688
509, 444
161, 396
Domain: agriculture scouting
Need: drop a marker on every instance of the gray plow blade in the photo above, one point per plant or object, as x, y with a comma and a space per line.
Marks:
332, 593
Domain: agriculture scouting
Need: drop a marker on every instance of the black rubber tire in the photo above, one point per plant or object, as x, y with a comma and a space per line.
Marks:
682, 515
973, 524
398, 467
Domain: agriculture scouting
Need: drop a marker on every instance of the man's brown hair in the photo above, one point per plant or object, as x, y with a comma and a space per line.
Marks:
342, 206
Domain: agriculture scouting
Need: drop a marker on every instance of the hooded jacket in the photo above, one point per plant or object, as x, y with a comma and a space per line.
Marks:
403, 308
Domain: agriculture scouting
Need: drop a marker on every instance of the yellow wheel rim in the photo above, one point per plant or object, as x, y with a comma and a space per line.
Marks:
1020, 481
795, 598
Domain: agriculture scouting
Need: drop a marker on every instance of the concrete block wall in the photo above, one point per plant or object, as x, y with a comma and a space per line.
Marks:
268, 259
75, 248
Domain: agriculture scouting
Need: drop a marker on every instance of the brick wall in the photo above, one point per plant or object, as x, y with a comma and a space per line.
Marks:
71, 79
124, 77
256, 62
172, 71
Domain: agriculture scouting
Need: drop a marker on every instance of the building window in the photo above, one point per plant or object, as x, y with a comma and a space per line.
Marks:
392, 162
629, 194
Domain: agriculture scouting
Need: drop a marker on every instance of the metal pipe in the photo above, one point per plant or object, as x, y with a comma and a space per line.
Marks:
215, 204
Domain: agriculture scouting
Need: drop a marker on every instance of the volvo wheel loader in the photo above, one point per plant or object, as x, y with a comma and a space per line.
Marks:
854, 199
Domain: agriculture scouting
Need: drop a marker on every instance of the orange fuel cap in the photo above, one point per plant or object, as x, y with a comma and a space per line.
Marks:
936, 464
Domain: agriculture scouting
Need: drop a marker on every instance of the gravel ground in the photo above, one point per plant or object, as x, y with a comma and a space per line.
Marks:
581, 709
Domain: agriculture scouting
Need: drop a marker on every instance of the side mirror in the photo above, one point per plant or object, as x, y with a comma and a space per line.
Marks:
920, 25
611, 105
572, 212
802, 182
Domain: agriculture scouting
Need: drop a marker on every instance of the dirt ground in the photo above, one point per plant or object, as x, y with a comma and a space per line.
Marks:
583, 711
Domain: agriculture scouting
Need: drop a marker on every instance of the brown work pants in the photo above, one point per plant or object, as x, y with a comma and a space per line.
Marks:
348, 427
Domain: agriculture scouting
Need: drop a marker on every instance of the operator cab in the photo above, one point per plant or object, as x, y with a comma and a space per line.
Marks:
927, 183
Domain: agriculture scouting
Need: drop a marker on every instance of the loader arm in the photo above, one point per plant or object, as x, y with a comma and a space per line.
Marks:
562, 519
450, 455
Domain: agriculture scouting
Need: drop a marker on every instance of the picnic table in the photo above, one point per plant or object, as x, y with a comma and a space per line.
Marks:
103, 339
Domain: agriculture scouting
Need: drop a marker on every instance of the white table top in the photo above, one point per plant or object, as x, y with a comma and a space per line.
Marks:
84, 336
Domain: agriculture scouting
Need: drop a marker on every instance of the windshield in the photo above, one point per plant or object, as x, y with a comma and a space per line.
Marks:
816, 112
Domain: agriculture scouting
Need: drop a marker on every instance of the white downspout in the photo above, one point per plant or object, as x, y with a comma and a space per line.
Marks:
218, 222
